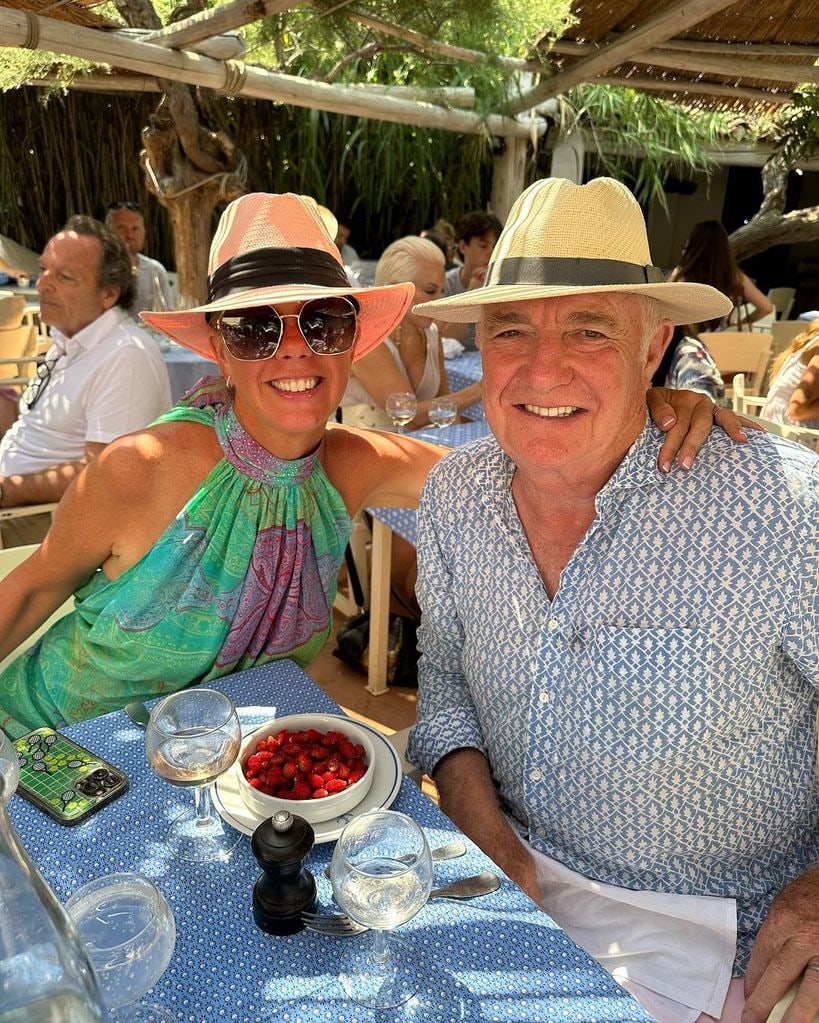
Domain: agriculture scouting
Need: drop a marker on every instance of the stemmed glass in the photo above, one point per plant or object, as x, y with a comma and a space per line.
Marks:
9, 768
191, 738
381, 874
129, 934
443, 412
401, 407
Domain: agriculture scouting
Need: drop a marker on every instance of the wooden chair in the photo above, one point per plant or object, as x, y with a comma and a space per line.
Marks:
9, 560
782, 299
22, 511
18, 355
739, 352
799, 434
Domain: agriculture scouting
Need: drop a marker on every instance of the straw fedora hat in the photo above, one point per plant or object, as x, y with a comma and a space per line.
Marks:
271, 248
566, 239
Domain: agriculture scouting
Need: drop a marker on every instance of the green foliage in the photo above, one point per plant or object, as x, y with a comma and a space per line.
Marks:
17, 66
642, 139
796, 127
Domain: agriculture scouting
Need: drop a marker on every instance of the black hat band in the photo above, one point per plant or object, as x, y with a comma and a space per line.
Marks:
548, 271
264, 268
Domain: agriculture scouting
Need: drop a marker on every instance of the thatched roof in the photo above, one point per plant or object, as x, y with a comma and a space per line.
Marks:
745, 55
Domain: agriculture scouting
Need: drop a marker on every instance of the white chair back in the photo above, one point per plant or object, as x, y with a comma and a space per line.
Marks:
740, 352
18, 350
799, 434
782, 299
10, 558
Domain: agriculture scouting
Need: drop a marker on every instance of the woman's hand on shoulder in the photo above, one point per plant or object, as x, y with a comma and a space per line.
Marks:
687, 417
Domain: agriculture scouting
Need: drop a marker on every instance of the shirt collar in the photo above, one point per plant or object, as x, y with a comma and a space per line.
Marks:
92, 335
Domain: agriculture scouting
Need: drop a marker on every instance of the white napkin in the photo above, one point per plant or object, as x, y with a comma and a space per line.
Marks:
250, 717
452, 347
674, 953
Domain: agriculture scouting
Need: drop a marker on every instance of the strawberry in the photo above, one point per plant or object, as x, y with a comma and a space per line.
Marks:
336, 785
320, 793
302, 790
316, 781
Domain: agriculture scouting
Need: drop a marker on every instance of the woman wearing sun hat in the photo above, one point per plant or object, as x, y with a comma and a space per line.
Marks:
211, 541
219, 530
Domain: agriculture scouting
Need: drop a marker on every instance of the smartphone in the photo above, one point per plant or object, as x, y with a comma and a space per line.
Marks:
63, 778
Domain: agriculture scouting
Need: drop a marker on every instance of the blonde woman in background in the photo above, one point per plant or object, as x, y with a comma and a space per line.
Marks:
793, 397
412, 357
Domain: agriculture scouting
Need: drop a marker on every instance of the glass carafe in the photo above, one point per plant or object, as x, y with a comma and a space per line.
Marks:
45, 976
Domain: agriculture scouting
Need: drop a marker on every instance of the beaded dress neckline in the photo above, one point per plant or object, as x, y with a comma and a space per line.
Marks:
248, 456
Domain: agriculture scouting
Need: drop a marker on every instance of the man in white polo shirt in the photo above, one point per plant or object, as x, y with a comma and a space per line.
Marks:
103, 376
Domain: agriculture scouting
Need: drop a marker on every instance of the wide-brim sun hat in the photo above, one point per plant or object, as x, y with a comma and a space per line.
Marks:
274, 248
567, 239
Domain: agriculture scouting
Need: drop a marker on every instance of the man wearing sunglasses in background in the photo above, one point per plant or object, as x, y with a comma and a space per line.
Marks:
102, 376
152, 289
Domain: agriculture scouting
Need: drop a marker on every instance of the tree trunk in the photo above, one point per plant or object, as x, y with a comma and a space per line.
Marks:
770, 225
190, 170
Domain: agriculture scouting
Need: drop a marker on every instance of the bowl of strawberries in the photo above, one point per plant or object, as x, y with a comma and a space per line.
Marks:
317, 766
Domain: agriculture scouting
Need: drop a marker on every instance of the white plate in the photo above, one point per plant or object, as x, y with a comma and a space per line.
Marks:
386, 782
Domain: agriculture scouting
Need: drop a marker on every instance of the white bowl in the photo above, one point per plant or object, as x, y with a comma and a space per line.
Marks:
313, 810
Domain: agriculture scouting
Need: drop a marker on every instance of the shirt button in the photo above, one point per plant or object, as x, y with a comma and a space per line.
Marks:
553, 624
536, 774
543, 697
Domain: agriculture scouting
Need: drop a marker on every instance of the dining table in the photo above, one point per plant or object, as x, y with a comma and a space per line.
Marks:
496, 958
184, 367
403, 521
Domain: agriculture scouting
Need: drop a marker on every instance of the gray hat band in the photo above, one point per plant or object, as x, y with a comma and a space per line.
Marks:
548, 271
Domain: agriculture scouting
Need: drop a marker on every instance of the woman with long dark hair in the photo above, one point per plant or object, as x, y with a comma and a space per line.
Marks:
707, 258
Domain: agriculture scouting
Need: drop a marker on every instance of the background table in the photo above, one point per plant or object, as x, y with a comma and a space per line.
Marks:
498, 958
463, 370
387, 521
185, 368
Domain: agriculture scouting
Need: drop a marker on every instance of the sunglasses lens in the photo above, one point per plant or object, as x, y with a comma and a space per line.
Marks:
251, 334
329, 325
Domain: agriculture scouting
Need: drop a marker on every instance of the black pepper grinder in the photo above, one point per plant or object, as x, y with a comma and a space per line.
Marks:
286, 888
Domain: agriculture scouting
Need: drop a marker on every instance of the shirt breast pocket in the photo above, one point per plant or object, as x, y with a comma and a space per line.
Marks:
659, 690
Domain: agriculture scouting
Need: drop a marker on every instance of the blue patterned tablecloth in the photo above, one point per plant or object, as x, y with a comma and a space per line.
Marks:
404, 520
495, 959
463, 370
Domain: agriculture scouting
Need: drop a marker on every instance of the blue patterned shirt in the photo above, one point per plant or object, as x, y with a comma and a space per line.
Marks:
654, 726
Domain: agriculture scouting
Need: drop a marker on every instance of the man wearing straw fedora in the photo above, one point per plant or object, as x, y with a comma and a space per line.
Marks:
618, 687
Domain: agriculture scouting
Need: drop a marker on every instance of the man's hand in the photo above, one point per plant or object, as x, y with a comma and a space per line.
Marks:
687, 418
787, 950
477, 278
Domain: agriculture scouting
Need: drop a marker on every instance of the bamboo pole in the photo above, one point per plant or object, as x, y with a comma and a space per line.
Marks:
700, 64
217, 20
696, 88
678, 17
220, 47
456, 96
17, 29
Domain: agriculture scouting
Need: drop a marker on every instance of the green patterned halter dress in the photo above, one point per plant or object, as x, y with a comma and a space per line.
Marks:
245, 574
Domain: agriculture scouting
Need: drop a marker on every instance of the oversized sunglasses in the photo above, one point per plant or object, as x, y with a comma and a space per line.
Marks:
328, 326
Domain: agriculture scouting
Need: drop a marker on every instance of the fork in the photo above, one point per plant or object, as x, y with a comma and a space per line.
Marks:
340, 925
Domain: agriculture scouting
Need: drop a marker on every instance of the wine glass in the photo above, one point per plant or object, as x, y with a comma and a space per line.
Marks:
191, 738
443, 412
129, 934
9, 768
381, 874
401, 408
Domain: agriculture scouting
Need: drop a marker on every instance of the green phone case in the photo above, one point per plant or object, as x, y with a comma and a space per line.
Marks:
63, 778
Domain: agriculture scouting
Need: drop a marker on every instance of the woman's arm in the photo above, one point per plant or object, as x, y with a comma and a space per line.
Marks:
753, 296
379, 376
804, 403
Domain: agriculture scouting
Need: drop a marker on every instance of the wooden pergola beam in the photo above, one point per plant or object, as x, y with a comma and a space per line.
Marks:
677, 18
216, 21
696, 88
422, 42
226, 46
793, 73
573, 49
456, 96
236, 79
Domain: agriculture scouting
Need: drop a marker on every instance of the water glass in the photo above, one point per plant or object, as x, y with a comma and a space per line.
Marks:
9, 768
129, 933
381, 874
443, 412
